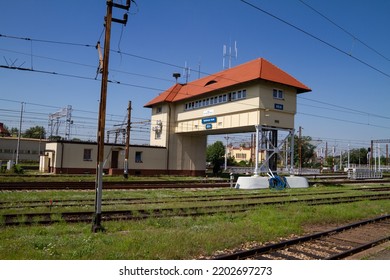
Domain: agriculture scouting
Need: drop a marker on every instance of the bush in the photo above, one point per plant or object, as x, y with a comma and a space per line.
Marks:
17, 169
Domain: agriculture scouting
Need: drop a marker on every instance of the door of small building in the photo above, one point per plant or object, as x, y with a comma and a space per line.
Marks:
114, 159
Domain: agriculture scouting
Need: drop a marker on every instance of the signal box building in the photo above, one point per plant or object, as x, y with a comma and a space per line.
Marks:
236, 100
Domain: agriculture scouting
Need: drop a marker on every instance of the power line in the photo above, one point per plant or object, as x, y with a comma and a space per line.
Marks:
342, 120
76, 76
47, 41
316, 38
111, 50
88, 65
346, 108
343, 29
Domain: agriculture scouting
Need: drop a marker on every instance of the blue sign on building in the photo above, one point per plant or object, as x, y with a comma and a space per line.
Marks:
209, 126
278, 106
209, 120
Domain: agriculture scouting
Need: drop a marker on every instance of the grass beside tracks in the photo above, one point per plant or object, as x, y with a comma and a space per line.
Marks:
177, 237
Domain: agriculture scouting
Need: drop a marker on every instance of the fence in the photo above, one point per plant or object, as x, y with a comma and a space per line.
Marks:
364, 174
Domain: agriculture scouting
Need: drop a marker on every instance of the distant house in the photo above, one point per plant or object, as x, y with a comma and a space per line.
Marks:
244, 154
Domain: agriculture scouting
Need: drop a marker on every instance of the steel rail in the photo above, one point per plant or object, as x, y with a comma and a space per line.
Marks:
45, 218
140, 200
207, 183
358, 249
110, 185
268, 248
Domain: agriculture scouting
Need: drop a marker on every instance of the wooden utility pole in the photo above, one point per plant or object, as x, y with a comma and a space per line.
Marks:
126, 164
96, 226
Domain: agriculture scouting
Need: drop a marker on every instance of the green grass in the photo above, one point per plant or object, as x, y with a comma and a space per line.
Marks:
175, 238
170, 238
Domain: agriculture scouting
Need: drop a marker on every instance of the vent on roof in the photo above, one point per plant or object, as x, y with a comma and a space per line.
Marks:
210, 83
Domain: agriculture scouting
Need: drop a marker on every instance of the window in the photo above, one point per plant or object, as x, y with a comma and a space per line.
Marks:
157, 134
223, 98
158, 110
278, 93
138, 157
87, 156
241, 156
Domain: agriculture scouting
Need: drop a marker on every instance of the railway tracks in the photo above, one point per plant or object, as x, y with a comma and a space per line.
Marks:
336, 243
128, 185
136, 214
144, 201
15, 186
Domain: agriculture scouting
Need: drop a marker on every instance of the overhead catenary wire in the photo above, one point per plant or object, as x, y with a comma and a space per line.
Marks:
344, 30
76, 76
316, 38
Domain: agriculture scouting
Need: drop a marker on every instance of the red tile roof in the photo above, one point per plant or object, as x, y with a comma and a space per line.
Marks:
258, 69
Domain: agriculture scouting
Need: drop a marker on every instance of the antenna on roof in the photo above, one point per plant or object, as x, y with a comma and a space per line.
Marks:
229, 55
199, 63
186, 72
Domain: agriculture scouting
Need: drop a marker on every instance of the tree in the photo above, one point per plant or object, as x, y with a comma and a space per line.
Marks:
36, 132
14, 132
356, 156
215, 155
307, 151
55, 138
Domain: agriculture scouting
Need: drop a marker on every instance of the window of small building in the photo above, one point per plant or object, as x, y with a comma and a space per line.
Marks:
241, 156
138, 157
87, 155
158, 110
157, 134
224, 98
278, 93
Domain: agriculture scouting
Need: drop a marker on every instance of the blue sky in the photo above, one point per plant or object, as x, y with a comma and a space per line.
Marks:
349, 102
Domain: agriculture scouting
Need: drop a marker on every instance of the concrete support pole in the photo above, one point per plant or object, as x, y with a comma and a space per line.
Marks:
292, 151
256, 171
